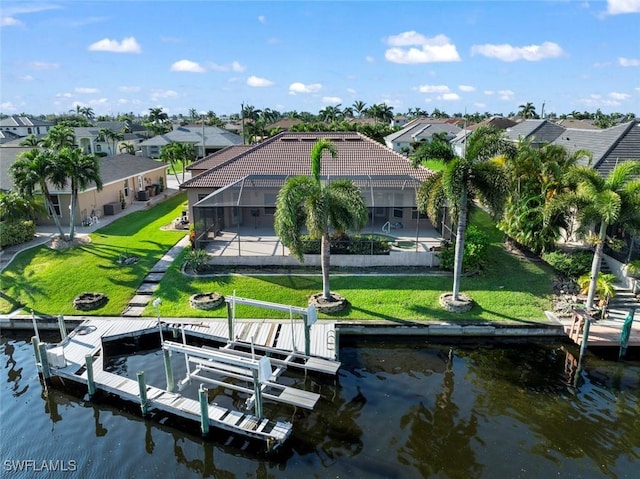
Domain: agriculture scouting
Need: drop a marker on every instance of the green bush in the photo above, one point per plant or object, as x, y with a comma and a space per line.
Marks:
196, 260
572, 264
474, 255
356, 244
16, 232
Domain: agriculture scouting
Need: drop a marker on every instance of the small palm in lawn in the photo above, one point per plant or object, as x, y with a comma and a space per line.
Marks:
306, 201
462, 181
35, 169
178, 154
611, 200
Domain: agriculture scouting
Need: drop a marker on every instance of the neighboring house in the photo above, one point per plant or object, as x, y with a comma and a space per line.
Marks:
241, 187
539, 132
123, 176
399, 120
87, 137
7, 136
580, 124
460, 141
284, 124
25, 126
216, 159
214, 139
418, 130
8, 156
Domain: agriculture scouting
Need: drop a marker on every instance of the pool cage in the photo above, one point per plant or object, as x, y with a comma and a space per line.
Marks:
247, 207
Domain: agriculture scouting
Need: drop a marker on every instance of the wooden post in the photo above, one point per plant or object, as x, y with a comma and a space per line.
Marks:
35, 325
585, 335
91, 385
203, 395
63, 328
36, 352
257, 391
230, 321
168, 369
44, 361
142, 386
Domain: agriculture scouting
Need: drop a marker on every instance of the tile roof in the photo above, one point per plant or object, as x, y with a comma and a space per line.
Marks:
422, 129
7, 157
495, 121
539, 131
15, 121
289, 154
214, 137
219, 157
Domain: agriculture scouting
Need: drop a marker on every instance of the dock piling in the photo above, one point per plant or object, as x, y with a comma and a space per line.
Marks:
203, 396
91, 385
168, 369
143, 392
257, 391
44, 361
36, 352
63, 328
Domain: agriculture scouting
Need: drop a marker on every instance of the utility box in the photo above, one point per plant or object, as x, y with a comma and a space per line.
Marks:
111, 209
55, 356
142, 195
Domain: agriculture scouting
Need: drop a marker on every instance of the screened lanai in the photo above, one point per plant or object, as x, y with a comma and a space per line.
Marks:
247, 207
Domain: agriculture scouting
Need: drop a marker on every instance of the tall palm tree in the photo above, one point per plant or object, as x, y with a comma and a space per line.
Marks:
306, 201
158, 120
60, 136
611, 200
81, 170
462, 181
528, 110
32, 171
359, 107
108, 135
178, 154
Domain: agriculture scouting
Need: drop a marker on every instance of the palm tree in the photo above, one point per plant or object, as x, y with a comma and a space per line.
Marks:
31, 140
127, 148
32, 170
106, 134
611, 200
81, 170
359, 107
193, 113
462, 181
158, 120
306, 201
527, 110
178, 154
16, 207
60, 136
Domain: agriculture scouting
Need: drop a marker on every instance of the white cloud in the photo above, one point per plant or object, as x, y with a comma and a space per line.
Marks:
489, 92
129, 89
157, 94
351, 91
331, 99
421, 49
433, 89
466, 88
234, 66
628, 62
99, 101
127, 45
298, 87
86, 90
369, 59
449, 97
44, 65
7, 106
187, 66
619, 96
26, 78
64, 95
255, 81
616, 7
509, 53
6, 21
506, 94
595, 100
393, 103
480, 105
262, 19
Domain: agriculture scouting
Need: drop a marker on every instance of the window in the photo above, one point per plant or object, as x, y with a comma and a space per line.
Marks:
98, 148
269, 204
126, 187
55, 204
29, 131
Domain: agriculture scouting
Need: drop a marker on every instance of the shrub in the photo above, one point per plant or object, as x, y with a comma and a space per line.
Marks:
475, 251
572, 264
633, 268
16, 232
357, 244
196, 260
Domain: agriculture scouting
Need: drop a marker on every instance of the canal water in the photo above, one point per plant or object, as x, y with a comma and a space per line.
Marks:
397, 410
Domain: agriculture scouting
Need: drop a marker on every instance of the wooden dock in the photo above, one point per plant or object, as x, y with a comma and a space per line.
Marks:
602, 332
67, 360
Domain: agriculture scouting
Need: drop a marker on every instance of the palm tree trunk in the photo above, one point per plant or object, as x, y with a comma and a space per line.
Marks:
51, 209
595, 265
72, 212
459, 249
325, 247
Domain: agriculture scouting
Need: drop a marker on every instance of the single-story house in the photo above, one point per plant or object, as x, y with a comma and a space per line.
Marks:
539, 132
87, 137
214, 139
25, 126
241, 186
418, 130
126, 178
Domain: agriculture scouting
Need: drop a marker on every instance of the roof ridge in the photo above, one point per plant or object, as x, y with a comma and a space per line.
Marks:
615, 142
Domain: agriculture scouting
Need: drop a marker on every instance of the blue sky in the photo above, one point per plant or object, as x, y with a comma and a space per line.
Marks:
485, 56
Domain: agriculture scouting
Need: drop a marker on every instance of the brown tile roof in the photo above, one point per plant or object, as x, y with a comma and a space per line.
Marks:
219, 157
290, 153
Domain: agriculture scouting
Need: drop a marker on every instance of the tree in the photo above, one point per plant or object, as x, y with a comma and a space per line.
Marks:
59, 136
81, 170
106, 134
438, 148
462, 181
31, 140
178, 154
527, 110
359, 107
608, 201
17, 207
127, 148
306, 201
32, 170
158, 121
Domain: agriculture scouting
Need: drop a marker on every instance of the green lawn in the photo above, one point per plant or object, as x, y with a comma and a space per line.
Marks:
47, 281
